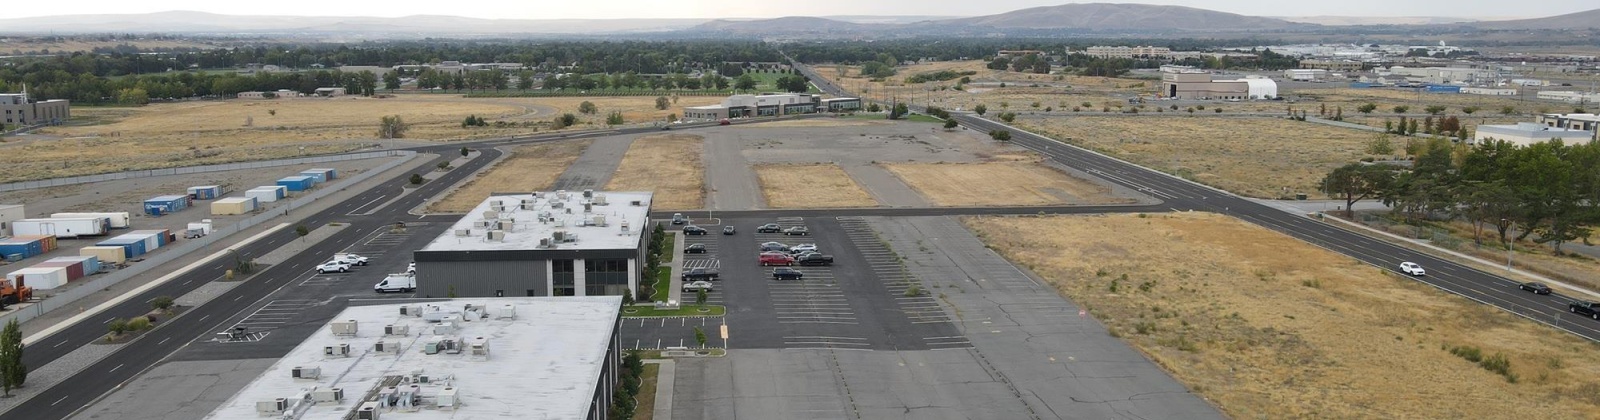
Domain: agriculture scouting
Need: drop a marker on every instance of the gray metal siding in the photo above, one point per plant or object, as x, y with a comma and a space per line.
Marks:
481, 278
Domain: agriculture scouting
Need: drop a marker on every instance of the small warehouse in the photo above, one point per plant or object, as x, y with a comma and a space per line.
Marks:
27, 246
296, 183
319, 175
205, 192
119, 220
233, 205
267, 194
166, 204
106, 254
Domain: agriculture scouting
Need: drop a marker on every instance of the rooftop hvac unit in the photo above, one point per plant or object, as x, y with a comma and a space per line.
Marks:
497, 235
506, 225
444, 328
367, 411
274, 407
588, 208
506, 312
482, 224
599, 220
387, 347
447, 397
599, 199
339, 350
305, 372
396, 330
636, 203
544, 242
344, 328
463, 232
528, 205
411, 310
561, 195
478, 347
331, 395
491, 215
624, 226
587, 193
558, 205
417, 377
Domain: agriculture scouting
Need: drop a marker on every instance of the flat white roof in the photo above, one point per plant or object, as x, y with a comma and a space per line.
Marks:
544, 364
611, 221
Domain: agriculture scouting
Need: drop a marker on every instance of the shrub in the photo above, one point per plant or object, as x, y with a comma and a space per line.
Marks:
1144, 327
117, 326
416, 179
139, 324
162, 303
914, 290
1001, 135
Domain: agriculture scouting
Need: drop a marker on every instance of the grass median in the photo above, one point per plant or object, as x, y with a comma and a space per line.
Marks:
683, 310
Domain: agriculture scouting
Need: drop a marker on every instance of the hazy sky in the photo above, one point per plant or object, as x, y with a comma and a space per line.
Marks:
553, 9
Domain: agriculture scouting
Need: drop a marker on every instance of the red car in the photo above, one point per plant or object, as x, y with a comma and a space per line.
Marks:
776, 259
724, 122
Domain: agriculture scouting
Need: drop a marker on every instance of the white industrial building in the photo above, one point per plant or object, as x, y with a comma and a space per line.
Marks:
1569, 96
1183, 82
1526, 133
504, 358
764, 105
1305, 75
1586, 122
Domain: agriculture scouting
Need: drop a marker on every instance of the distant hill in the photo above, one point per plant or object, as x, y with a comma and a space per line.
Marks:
210, 23
1378, 20
783, 25
1580, 20
1115, 16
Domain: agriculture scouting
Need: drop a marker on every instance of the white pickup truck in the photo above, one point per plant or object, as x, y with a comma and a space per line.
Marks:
401, 282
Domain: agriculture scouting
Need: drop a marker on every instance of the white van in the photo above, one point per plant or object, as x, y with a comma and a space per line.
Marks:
396, 283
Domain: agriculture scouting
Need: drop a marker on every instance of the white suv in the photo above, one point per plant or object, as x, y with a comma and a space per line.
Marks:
333, 267
1412, 269
351, 259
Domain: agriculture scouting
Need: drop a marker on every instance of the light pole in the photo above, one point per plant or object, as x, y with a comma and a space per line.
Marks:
1511, 247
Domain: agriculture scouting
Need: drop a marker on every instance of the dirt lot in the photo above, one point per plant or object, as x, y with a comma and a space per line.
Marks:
670, 165
529, 168
1024, 182
1256, 157
811, 186
1267, 326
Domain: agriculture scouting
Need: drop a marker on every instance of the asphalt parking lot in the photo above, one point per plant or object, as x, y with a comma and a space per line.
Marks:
860, 302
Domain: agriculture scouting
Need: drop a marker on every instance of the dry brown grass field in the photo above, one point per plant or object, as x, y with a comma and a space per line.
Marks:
529, 168
1256, 157
821, 185
1266, 326
1061, 92
634, 108
21, 45
670, 165
1008, 180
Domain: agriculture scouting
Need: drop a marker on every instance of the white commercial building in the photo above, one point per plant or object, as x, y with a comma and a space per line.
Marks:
1525, 133
1569, 96
1305, 75
1127, 52
764, 105
505, 358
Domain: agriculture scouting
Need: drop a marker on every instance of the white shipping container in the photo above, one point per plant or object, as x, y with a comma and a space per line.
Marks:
204, 226
263, 195
152, 241
61, 228
39, 278
119, 220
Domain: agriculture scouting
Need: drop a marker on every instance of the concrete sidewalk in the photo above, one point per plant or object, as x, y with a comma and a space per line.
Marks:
675, 282
664, 381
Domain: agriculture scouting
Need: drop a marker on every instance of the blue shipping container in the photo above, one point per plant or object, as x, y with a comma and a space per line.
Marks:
316, 176
165, 204
205, 192
296, 183
27, 249
131, 247
1360, 85
1443, 89
161, 235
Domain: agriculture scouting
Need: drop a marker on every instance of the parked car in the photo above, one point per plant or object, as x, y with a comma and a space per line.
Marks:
1412, 269
333, 267
727, 230
797, 231
694, 230
769, 228
697, 286
1535, 287
774, 247
786, 273
351, 259
814, 259
724, 122
411, 268
694, 249
802, 248
701, 274
1585, 308
776, 259
678, 219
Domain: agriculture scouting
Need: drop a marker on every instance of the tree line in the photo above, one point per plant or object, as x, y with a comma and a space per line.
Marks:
1549, 191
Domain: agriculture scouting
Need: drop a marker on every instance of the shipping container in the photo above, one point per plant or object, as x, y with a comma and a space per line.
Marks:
265, 194
132, 246
74, 268
166, 204
1442, 89
328, 173
20, 247
106, 254
62, 228
1360, 85
119, 220
205, 192
90, 264
163, 237
317, 177
296, 183
39, 278
233, 205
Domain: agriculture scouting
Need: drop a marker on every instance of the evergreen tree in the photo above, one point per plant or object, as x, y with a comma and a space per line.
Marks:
12, 372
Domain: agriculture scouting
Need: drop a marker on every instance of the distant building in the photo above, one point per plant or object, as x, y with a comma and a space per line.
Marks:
1333, 65
17, 109
1526, 133
329, 92
1182, 82
764, 105
1569, 96
1305, 75
841, 104
1018, 53
1128, 52
1585, 122
1488, 91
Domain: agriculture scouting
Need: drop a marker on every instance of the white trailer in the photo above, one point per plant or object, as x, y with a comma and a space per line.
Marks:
61, 228
119, 220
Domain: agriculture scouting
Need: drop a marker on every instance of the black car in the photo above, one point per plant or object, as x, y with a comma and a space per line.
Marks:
797, 231
701, 274
694, 230
695, 249
786, 273
727, 230
1535, 287
769, 228
814, 259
